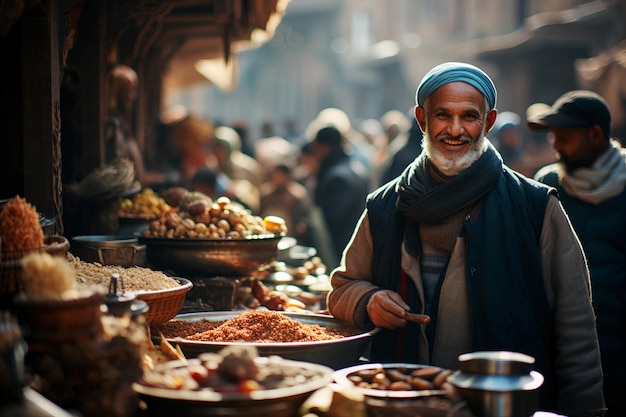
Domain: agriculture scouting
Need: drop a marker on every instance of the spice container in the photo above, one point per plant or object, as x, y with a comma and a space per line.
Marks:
498, 384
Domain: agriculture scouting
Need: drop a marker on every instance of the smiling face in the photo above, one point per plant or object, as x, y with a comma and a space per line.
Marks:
455, 119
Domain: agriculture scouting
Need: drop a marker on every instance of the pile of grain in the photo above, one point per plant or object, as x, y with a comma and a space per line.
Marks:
135, 279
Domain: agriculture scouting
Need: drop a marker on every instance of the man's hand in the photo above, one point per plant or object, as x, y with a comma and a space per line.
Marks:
387, 309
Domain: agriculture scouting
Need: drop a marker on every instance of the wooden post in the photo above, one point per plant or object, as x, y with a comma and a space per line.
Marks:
41, 109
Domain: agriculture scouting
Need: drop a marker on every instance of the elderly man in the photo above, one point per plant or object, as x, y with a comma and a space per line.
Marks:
487, 253
590, 176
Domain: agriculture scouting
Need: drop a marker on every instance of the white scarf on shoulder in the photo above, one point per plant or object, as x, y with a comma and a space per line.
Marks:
605, 179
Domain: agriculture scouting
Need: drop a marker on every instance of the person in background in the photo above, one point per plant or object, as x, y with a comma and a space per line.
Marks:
590, 175
211, 183
341, 186
317, 235
487, 253
508, 140
236, 164
403, 157
120, 141
189, 138
372, 131
243, 130
242, 179
282, 196
396, 126
354, 143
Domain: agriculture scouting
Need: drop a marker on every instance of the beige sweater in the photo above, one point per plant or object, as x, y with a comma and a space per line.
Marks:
568, 289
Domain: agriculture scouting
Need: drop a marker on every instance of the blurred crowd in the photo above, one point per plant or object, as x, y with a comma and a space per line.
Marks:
316, 177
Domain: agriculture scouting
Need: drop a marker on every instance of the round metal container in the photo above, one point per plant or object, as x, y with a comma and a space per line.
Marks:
118, 250
498, 384
336, 353
196, 258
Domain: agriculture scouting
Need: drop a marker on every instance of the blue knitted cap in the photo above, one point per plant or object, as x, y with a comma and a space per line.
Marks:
450, 72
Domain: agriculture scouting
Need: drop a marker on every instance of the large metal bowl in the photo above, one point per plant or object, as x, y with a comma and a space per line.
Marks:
336, 353
196, 258
279, 402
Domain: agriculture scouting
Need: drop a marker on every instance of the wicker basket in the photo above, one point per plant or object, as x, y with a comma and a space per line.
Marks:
48, 322
11, 265
165, 304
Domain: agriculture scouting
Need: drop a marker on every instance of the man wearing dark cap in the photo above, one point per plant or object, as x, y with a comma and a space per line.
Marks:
590, 175
488, 254
341, 187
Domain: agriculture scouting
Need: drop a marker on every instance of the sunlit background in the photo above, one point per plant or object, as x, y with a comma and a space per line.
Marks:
367, 56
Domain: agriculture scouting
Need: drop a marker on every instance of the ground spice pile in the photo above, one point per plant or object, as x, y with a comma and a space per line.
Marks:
19, 226
259, 327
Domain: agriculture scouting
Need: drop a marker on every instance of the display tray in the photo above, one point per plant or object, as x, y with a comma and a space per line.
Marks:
336, 353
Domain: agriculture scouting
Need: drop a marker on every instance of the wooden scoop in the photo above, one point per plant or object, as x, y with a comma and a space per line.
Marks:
417, 318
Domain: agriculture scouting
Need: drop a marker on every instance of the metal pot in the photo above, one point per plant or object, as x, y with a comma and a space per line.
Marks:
498, 384
109, 250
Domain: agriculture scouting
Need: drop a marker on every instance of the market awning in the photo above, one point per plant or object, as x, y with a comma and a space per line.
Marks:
207, 51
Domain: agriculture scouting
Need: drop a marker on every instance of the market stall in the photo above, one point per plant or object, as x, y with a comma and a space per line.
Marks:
92, 337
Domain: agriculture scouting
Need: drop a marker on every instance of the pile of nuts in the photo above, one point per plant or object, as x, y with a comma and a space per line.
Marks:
401, 378
222, 219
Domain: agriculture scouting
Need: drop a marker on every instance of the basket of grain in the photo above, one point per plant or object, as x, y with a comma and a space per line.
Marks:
51, 308
165, 304
11, 263
164, 295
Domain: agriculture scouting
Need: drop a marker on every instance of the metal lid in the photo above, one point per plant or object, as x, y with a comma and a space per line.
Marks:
496, 363
497, 383
105, 240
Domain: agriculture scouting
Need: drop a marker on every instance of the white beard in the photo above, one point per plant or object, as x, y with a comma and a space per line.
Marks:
453, 167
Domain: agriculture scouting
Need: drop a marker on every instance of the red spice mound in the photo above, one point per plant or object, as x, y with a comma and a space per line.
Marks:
256, 326
19, 226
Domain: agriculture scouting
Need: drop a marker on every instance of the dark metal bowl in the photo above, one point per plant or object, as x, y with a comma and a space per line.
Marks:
336, 353
190, 257
279, 402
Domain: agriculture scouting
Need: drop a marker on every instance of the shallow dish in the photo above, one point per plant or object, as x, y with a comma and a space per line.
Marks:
278, 402
405, 403
342, 377
336, 353
193, 257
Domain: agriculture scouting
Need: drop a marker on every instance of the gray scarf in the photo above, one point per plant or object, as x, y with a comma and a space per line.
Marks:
603, 180
422, 199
